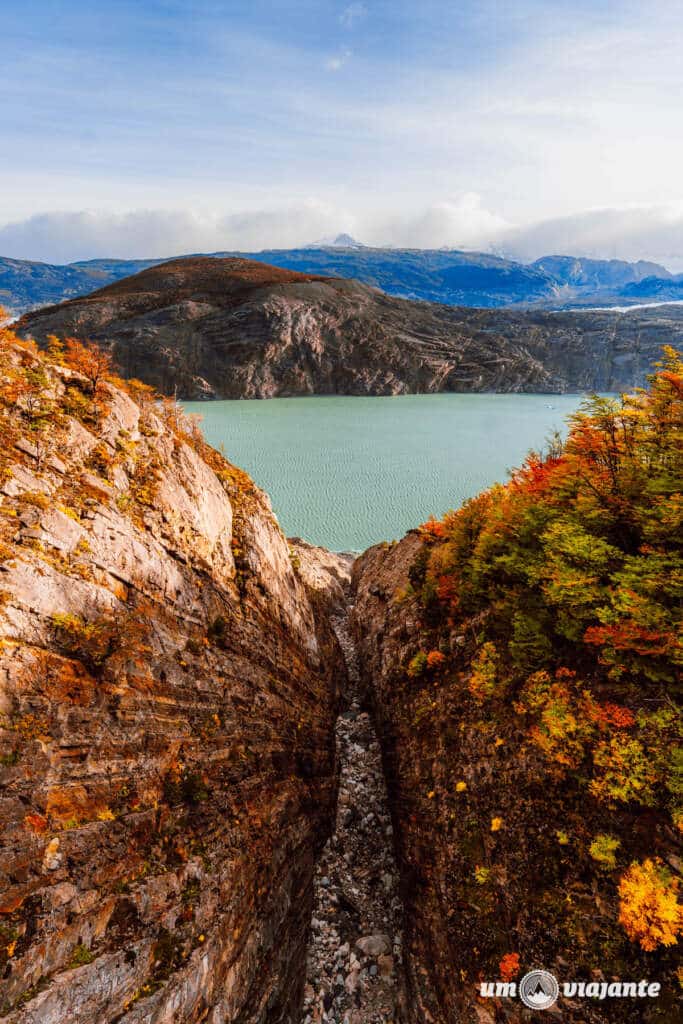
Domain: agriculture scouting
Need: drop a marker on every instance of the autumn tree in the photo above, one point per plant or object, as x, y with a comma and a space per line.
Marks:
88, 359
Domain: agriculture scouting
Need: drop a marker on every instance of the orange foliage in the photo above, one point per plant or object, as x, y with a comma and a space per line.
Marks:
435, 659
509, 966
447, 589
536, 475
36, 823
649, 910
90, 360
609, 714
433, 528
628, 635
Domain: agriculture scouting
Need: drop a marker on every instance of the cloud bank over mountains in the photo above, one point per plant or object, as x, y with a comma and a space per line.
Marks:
649, 232
639, 232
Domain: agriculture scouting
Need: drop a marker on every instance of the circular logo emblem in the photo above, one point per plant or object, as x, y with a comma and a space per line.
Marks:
539, 990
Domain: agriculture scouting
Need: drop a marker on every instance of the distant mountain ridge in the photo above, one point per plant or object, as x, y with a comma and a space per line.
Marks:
583, 272
448, 276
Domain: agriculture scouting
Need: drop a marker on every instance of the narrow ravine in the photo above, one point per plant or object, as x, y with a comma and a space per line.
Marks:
354, 956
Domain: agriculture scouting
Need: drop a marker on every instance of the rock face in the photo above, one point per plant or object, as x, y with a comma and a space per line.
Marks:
234, 328
168, 692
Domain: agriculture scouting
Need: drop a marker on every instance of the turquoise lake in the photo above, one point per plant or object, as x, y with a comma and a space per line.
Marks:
347, 472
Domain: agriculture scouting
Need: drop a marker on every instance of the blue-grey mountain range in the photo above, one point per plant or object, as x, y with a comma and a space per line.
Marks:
451, 277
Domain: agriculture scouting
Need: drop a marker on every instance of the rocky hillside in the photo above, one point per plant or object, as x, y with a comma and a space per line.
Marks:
233, 328
524, 657
168, 693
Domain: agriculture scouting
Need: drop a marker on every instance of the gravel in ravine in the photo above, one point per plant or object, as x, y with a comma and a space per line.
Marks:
354, 956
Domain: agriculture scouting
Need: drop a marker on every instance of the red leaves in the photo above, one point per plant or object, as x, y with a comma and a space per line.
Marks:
609, 714
435, 659
433, 529
536, 475
36, 823
509, 966
627, 635
447, 589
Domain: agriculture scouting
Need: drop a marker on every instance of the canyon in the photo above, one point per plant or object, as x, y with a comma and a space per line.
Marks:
202, 328
248, 780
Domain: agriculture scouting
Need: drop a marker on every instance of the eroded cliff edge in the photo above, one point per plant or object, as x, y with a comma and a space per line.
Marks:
168, 692
524, 659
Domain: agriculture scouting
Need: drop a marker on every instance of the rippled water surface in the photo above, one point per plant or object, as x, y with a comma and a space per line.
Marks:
346, 472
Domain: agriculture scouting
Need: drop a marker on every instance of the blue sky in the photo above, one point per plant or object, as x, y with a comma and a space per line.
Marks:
149, 128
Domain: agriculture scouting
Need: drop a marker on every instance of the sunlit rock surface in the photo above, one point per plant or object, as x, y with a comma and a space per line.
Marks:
168, 691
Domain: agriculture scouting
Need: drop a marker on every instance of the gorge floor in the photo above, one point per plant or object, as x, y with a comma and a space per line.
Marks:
354, 957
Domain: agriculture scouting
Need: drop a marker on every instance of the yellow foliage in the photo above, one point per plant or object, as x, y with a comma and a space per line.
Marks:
496, 824
484, 677
603, 850
649, 910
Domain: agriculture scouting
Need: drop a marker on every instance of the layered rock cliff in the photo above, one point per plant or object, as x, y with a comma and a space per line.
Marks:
168, 692
234, 328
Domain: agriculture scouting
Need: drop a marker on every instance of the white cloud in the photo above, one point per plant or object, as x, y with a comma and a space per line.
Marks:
464, 221
65, 237
644, 232
284, 228
352, 14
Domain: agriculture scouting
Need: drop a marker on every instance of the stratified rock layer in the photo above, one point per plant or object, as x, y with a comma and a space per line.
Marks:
233, 328
168, 692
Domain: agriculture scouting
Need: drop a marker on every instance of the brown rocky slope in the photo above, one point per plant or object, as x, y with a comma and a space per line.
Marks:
524, 660
168, 692
492, 848
232, 328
